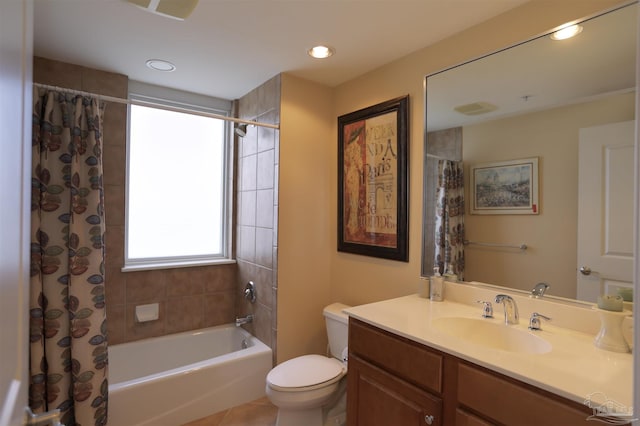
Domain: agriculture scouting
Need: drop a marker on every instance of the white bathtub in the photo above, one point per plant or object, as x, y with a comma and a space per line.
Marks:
171, 380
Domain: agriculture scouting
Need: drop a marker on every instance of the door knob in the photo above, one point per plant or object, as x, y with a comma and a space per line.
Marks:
585, 270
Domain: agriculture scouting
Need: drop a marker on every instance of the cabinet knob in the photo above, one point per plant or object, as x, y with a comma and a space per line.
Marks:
428, 419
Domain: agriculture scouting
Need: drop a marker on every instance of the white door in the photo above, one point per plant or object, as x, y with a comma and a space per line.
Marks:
15, 143
605, 209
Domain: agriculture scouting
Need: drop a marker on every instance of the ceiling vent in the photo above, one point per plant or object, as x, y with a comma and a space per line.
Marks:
176, 9
476, 108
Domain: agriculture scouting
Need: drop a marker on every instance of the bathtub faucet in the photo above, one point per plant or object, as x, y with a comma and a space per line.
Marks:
244, 320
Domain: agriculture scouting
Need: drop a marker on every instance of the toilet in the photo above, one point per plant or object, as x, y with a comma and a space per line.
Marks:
310, 390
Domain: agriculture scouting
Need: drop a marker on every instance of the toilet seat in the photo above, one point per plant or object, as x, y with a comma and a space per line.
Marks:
305, 373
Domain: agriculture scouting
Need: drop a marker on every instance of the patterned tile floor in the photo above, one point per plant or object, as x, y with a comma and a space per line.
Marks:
256, 413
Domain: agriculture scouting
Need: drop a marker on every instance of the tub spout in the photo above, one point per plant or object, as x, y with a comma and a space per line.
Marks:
244, 320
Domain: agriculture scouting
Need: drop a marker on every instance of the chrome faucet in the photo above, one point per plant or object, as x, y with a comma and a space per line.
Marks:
534, 321
510, 309
244, 320
539, 289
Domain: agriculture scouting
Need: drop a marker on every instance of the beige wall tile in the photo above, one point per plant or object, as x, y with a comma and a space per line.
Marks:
114, 160
184, 313
115, 285
264, 208
135, 330
104, 82
114, 204
256, 241
56, 73
115, 323
265, 173
264, 247
146, 286
219, 309
114, 245
222, 278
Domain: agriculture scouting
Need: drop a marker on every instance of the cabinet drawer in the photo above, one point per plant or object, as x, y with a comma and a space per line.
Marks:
402, 357
511, 403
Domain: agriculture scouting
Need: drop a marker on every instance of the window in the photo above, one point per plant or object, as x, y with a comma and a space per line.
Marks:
177, 187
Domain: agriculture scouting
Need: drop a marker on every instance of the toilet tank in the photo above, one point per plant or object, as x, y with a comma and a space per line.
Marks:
337, 328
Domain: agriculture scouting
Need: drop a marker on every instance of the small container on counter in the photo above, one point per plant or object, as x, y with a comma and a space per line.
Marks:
423, 287
436, 290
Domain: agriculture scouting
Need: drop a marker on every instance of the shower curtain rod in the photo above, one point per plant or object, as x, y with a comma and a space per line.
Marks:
154, 105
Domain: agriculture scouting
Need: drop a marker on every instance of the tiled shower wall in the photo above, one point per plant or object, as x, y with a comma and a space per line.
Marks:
189, 298
257, 230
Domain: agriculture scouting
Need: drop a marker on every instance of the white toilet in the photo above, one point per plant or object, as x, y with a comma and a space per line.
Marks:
307, 387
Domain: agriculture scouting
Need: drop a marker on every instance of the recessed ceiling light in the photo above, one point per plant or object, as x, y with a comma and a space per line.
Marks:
160, 65
320, 52
566, 32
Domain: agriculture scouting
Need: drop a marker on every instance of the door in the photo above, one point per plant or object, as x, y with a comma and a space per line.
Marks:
15, 169
605, 209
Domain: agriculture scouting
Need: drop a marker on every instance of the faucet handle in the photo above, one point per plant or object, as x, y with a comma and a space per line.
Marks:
487, 309
534, 321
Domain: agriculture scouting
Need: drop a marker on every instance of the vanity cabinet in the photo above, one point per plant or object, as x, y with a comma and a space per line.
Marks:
391, 380
396, 381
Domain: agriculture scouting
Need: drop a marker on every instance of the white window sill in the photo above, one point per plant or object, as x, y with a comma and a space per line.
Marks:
175, 264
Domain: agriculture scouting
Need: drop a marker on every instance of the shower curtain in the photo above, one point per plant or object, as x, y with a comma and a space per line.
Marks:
68, 333
449, 220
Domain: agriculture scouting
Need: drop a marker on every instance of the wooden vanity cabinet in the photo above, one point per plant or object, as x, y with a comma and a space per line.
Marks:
391, 380
396, 381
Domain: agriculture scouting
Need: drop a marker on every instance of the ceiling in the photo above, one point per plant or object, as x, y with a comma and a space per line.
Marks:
540, 74
226, 48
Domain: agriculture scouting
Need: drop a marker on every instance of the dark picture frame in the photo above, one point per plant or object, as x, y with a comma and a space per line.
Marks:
373, 151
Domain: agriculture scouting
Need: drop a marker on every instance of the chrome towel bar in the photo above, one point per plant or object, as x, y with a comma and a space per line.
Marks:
475, 243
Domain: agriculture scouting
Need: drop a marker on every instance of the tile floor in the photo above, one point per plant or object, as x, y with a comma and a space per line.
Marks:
256, 413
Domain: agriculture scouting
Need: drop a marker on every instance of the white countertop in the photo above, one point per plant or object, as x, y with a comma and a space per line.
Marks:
574, 368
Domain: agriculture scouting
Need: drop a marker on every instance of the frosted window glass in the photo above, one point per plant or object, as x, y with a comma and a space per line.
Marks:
176, 185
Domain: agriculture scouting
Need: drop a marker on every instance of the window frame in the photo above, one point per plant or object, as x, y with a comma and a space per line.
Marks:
143, 94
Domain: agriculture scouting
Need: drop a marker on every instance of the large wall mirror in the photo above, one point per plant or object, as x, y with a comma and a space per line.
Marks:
564, 109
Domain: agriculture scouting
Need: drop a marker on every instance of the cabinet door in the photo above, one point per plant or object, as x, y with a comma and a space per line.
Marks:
376, 398
464, 418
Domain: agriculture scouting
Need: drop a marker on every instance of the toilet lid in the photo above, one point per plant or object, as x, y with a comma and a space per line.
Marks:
305, 371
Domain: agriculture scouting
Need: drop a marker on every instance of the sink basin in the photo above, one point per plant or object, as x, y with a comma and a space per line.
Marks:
493, 334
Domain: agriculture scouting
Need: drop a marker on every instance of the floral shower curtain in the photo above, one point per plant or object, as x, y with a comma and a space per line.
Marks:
449, 223
68, 335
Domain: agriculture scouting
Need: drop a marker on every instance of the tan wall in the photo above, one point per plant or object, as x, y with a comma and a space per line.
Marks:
358, 279
304, 235
552, 136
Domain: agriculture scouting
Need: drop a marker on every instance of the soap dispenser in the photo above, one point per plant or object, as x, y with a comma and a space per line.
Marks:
436, 290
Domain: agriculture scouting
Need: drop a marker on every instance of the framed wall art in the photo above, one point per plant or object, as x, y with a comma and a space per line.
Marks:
505, 187
373, 180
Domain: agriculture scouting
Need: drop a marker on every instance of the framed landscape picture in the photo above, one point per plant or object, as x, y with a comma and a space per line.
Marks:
505, 187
